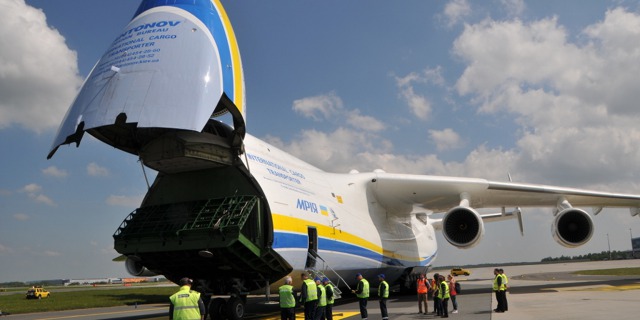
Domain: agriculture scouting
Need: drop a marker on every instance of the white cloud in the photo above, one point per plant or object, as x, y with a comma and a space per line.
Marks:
51, 253
34, 190
35, 90
54, 171
419, 105
362, 122
95, 170
456, 10
319, 107
21, 216
575, 103
446, 139
514, 8
5, 250
125, 201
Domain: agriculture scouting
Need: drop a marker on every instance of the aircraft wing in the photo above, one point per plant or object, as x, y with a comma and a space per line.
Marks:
397, 192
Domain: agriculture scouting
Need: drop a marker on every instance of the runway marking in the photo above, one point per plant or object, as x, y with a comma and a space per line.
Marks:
336, 315
626, 287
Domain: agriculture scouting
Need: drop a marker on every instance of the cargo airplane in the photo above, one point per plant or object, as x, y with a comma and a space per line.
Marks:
237, 214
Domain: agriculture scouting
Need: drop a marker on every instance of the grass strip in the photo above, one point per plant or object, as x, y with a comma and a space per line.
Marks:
89, 298
610, 272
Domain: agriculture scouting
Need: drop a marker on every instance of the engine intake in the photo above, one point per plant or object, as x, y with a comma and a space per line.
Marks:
462, 227
135, 268
572, 227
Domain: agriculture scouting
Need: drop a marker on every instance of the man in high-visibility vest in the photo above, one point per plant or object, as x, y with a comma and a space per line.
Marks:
328, 289
423, 286
308, 296
383, 294
498, 288
505, 286
186, 304
443, 295
287, 300
322, 300
362, 292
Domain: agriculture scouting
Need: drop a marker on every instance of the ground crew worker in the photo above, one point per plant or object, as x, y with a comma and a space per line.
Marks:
443, 295
308, 296
383, 294
435, 285
186, 304
328, 289
287, 300
362, 292
498, 289
422, 286
322, 300
505, 284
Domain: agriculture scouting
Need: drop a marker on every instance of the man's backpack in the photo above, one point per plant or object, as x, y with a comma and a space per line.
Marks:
458, 288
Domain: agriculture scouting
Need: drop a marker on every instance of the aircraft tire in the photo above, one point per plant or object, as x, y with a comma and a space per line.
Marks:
235, 308
217, 310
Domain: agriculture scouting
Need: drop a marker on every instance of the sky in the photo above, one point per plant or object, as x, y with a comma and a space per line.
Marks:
544, 91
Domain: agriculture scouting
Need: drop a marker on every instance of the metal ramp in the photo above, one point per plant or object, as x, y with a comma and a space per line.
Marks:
224, 234
315, 272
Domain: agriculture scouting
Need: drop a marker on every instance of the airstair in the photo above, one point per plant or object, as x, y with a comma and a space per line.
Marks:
315, 272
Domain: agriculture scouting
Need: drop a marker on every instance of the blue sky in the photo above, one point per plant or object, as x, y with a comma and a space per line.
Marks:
544, 90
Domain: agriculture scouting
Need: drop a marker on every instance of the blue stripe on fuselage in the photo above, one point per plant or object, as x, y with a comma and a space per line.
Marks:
286, 240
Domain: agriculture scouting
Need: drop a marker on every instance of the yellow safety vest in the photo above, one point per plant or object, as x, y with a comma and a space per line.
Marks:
327, 288
286, 296
504, 282
323, 296
185, 304
445, 294
383, 290
365, 289
312, 290
495, 283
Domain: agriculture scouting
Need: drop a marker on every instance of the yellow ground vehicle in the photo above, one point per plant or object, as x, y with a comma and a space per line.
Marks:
37, 293
460, 272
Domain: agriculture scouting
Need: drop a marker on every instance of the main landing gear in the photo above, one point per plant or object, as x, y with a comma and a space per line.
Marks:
232, 308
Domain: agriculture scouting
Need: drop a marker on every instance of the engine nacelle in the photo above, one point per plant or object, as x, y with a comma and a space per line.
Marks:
463, 227
572, 227
135, 268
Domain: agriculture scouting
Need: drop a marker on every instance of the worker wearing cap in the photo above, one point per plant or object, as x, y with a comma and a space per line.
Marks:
328, 289
287, 300
383, 293
186, 303
308, 296
322, 300
362, 292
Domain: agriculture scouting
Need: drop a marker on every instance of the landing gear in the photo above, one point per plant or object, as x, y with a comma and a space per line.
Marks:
235, 308
217, 309
232, 309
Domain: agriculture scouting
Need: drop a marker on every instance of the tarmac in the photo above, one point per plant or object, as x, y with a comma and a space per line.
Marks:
541, 291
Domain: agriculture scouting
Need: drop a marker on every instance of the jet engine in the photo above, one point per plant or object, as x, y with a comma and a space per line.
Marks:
135, 268
462, 227
572, 227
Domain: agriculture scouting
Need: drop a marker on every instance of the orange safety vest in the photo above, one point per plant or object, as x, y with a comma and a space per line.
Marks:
422, 285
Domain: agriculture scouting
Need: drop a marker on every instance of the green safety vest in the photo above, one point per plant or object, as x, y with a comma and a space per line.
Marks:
495, 283
286, 296
504, 282
383, 290
185, 304
445, 294
365, 289
312, 290
323, 296
329, 288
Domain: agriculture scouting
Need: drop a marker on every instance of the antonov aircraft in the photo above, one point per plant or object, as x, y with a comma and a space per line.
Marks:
237, 214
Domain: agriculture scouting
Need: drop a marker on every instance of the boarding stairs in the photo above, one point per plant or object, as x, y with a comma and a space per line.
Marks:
315, 272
